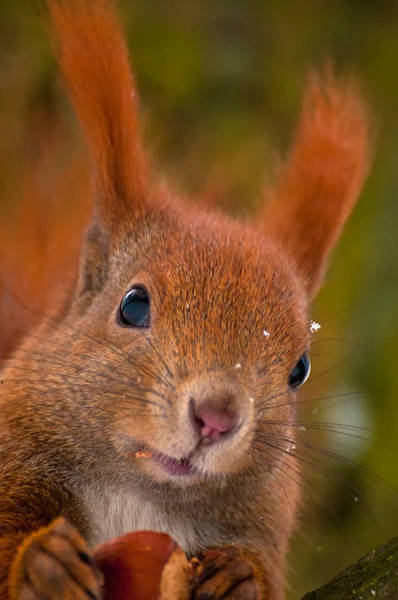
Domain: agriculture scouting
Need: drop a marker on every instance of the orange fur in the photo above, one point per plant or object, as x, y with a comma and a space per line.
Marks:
103, 94
40, 243
324, 175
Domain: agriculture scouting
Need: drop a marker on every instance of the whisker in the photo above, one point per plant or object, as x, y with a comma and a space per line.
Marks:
152, 345
334, 316
27, 334
295, 402
323, 426
280, 483
64, 385
332, 339
42, 358
332, 368
318, 467
300, 474
347, 461
142, 368
45, 319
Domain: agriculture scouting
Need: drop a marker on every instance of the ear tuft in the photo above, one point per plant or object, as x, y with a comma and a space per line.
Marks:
322, 179
92, 54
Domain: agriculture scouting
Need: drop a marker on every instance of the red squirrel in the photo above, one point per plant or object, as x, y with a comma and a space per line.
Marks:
160, 393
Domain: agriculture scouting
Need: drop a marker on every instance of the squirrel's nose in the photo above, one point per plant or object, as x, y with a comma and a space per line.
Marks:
214, 421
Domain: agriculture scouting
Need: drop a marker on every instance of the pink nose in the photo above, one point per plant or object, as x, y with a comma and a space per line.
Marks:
213, 423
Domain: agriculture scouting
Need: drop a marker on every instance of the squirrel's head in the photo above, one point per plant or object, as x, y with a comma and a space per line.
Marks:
204, 333
191, 330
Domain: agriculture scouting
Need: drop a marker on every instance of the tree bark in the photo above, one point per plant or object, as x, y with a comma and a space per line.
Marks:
373, 577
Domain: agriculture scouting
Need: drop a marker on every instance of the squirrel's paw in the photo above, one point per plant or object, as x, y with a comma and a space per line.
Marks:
54, 564
226, 573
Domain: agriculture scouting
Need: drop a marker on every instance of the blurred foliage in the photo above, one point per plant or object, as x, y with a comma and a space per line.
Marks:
220, 85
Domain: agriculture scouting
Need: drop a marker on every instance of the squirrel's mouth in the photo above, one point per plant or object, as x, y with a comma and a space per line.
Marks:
173, 466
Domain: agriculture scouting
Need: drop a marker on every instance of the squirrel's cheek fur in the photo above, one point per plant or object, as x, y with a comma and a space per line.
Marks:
182, 422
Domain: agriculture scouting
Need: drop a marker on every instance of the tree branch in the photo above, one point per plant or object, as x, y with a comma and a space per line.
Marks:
373, 577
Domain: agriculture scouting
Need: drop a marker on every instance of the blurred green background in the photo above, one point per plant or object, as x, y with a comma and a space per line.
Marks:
220, 84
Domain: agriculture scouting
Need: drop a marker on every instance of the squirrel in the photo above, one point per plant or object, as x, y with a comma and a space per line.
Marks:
160, 392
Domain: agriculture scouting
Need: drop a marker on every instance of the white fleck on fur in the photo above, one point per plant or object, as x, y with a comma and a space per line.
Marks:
314, 326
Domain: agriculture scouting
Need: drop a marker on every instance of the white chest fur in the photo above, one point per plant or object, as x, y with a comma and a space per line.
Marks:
114, 513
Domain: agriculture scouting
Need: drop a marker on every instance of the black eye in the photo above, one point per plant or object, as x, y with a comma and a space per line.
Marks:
300, 372
134, 308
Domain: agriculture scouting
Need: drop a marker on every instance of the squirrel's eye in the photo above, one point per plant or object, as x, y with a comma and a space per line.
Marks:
300, 372
134, 308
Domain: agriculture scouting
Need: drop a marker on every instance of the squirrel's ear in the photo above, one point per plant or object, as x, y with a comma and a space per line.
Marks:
322, 179
92, 54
